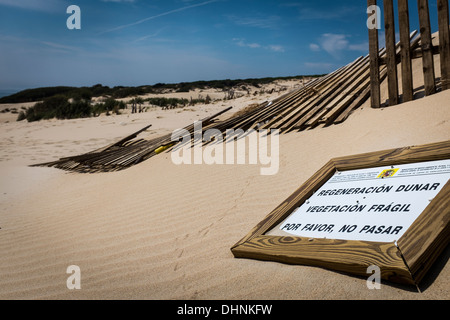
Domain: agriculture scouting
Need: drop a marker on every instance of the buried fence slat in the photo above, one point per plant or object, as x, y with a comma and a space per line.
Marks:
309, 110
444, 43
355, 104
427, 52
348, 99
389, 26
311, 95
412, 48
375, 94
345, 91
405, 53
293, 107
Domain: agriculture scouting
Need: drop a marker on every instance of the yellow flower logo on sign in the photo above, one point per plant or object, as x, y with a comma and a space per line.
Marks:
388, 173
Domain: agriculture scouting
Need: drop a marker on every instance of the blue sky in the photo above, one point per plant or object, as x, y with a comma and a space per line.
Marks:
137, 42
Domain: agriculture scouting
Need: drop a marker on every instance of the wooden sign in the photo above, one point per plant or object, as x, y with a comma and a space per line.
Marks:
375, 204
390, 209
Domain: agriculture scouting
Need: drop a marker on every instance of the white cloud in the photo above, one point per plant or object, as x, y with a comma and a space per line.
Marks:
160, 15
243, 43
60, 46
152, 35
276, 48
262, 22
314, 47
334, 44
253, 45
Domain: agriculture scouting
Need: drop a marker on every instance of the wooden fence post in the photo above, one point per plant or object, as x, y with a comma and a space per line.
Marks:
444, 43
375, 95
407, 78
389, 25
427, 48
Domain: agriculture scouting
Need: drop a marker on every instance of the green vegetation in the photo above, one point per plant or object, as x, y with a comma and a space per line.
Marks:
31, 95
60, 107
110, 105
167, 102
176, 102
56, 107
39, 94
72, 102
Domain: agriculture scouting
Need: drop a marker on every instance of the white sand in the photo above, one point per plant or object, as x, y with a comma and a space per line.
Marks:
161, 231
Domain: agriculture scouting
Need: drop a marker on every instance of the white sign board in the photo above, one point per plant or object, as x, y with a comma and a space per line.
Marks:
375, 204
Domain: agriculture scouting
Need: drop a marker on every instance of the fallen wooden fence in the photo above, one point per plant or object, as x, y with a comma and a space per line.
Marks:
323, 101
122, 154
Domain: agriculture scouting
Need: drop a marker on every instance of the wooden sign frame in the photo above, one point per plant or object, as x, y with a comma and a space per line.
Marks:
405, 262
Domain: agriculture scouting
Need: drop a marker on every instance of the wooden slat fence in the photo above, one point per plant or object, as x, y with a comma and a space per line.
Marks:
426, 51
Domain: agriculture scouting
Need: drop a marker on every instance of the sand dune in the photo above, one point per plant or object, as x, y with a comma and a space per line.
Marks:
162, 231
